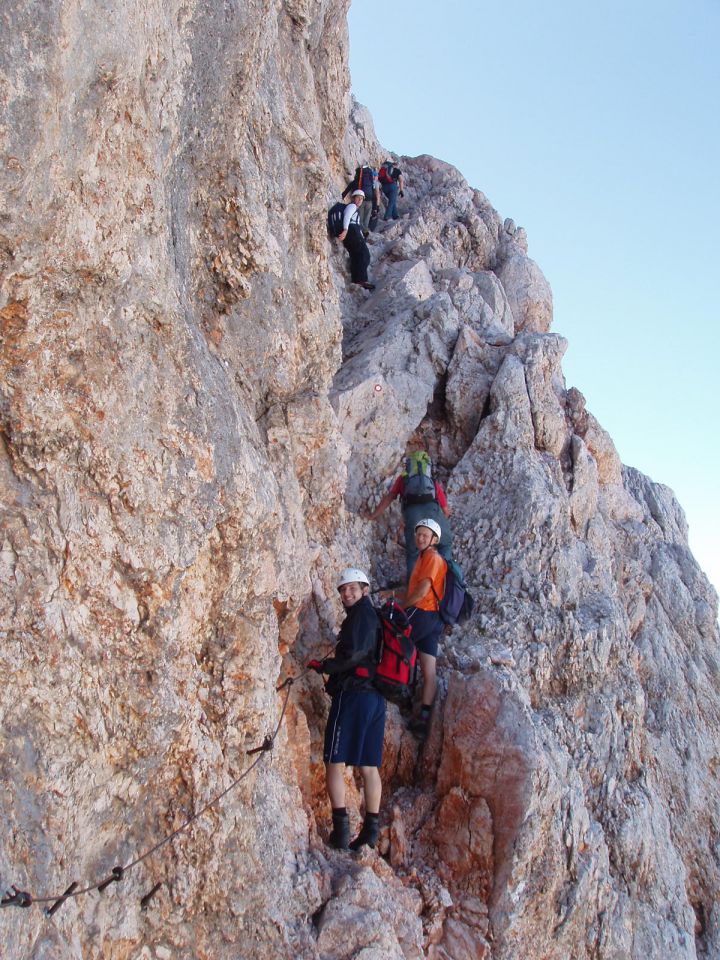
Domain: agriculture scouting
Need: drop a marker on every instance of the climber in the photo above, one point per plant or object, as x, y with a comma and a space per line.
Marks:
393, 184
421, 495
422, 603
356, 725
365, 179
354, 241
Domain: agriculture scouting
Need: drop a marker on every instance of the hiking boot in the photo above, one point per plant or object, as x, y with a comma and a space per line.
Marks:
365, 284
340, 835
368, 835
419, 727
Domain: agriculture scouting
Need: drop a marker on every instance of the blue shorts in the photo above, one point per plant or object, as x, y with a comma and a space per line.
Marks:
355, 729
426, 629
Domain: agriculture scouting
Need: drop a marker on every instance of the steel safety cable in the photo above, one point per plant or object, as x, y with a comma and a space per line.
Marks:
21, 898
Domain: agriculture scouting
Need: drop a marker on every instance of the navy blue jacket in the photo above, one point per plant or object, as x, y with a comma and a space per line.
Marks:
356, 647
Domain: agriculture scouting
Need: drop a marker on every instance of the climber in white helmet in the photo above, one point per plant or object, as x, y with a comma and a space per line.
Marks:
421, 600
365, 179
354, 241
356, 725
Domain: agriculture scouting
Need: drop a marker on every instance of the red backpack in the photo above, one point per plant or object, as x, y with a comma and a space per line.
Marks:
385, 174
396, 659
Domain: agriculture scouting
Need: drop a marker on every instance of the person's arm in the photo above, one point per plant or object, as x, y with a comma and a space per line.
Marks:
395, 491
442, 499
331, 665
382, 506
401, 184
350, 211
422, 589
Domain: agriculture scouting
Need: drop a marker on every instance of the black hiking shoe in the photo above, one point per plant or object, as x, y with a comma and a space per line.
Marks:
340, 835
419, 727
369, 833
365, 284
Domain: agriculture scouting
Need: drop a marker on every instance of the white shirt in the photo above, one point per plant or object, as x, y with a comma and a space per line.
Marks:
351, 215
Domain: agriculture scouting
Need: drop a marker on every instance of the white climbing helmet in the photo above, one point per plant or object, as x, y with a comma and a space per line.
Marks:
352, 575
431, 525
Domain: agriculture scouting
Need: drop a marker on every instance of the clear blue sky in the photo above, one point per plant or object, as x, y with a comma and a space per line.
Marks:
594, 126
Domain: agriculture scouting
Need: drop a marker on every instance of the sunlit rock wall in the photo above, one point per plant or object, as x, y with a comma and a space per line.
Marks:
169, 336
196, 411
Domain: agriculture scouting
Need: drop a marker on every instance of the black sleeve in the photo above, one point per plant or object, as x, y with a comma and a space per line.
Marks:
332, 665
348, 188
358, 645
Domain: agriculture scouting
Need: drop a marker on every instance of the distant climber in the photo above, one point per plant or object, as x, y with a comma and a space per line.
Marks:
421, 495
365, 179
393, 185
354, 241
421, 600
356, 725
375, 210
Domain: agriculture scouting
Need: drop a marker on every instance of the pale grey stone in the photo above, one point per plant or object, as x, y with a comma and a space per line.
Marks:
196, 410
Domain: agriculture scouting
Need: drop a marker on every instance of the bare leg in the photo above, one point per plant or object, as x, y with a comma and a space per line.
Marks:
427, 665
335, 780
373, 788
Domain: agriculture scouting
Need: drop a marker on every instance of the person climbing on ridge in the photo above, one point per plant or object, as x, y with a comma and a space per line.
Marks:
356, 725
393, 184
354, 241
375, 209
421, 600
421, 495
365, 179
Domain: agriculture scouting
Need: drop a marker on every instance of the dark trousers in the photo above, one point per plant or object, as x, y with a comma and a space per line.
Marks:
391, 192
355, 245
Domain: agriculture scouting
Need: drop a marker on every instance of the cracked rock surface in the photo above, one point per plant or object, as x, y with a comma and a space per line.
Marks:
197, 411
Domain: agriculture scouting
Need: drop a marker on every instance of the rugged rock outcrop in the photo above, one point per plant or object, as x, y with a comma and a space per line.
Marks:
196, 410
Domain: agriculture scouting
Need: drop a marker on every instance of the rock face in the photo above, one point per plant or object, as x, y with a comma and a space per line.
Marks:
196, 410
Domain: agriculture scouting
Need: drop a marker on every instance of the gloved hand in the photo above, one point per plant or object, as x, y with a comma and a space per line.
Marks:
315, 665
374, 211
402, 193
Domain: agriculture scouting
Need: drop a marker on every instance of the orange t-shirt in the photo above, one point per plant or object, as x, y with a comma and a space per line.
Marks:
429, 566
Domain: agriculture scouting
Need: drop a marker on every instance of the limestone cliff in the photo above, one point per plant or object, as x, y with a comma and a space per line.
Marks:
195, 411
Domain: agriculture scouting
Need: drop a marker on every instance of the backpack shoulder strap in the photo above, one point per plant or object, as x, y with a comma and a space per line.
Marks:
447, 570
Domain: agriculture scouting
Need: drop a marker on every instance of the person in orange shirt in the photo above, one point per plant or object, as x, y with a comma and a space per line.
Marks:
422, 603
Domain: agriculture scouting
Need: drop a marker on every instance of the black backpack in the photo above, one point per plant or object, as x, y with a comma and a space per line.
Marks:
364, 181
335, 218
